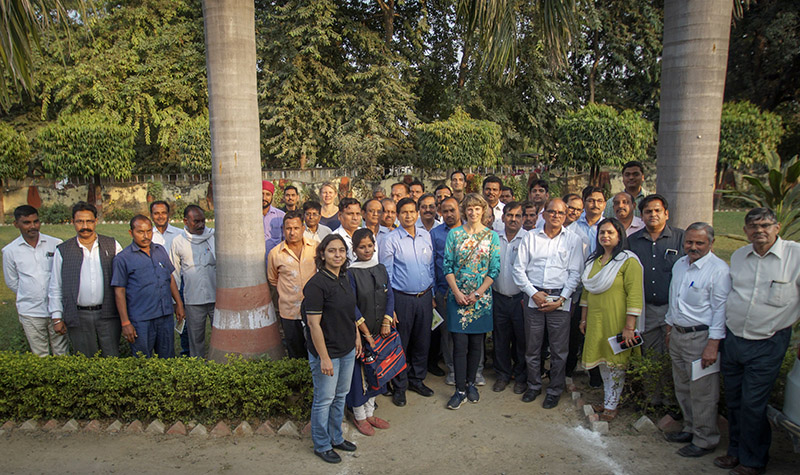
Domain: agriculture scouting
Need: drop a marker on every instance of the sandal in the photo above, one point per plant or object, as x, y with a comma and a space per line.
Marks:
377, 422
598, 408
609, 415
364, 427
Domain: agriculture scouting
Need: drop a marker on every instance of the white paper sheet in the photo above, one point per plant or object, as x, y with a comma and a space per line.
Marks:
566, 306
437, 320
698, 371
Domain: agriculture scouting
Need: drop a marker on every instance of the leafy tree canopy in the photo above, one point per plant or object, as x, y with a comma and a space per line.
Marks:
459, 142
745, 133
14, 153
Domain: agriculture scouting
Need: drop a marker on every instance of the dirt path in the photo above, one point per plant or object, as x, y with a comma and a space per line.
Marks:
498, 435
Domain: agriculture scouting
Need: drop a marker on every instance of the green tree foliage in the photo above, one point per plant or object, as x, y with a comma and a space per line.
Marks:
89, 144
780, 193
599, 136
459, 142
14, 153
152, 75
746, 134
616, 58
192, 144
327, 80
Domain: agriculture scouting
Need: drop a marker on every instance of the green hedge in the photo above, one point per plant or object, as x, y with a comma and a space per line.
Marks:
185, 389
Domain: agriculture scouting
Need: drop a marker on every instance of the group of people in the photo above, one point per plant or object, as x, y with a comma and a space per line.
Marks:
90, 292
569, 278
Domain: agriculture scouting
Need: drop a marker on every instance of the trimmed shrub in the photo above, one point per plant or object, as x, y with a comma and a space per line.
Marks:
137, 388
459, 142
58, 213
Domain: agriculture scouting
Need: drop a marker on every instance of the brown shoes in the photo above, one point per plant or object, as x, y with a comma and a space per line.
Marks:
726, 461
377, 422
608, 415
364, 427
742, 470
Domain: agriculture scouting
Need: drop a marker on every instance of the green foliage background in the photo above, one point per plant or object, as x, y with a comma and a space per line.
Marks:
14, 153
747, 134
458, 142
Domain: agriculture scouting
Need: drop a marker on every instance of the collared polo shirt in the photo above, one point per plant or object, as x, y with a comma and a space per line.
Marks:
765, 290
698, 292
549, 263
331, 297
657, 258
408, 260
609, 211
636, 225
504, 282
146, 280
27, 273
289, 273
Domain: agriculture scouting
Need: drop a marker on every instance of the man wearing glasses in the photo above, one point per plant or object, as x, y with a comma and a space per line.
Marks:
594, 202
762, 307
547, 269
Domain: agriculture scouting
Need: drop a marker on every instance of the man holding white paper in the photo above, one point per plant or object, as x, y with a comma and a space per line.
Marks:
695, 326
547, 269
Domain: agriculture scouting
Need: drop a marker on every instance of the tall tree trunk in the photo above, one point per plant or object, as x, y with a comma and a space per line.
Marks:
696, 36
595, 64
463, 65
242, 324
387, 8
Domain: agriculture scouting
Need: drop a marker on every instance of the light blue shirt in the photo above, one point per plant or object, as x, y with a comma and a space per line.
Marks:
408, 260
586, 232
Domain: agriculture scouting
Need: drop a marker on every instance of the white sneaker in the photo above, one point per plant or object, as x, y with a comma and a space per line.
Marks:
450, 379
480, 380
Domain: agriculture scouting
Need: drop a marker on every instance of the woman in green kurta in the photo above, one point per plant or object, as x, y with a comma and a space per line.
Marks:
611, 303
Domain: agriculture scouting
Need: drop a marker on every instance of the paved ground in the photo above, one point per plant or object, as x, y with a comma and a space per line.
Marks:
498, 435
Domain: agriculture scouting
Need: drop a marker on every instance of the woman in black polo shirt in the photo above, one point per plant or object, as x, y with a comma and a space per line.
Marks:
329, 309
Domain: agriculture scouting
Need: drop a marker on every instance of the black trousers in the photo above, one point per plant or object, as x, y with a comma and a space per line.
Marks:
467, 349
414, 316
293, 338
509, 337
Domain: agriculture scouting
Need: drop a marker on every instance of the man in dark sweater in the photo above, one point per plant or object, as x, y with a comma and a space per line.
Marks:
80, 286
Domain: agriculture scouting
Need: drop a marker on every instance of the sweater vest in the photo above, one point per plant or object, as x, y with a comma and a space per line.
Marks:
72, 256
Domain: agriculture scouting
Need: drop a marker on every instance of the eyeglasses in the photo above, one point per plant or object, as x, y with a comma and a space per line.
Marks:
572, 208
553, 212
592, 201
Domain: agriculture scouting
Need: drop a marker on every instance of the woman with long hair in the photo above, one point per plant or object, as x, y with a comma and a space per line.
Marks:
330, 210
471, 263
375, 300
329, 309
612, 302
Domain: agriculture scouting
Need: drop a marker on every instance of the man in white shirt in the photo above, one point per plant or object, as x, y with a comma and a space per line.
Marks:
163, 232
547, 270
27, 262
508, 300
491, 193
79, 293
312, 212
695, 327
763, 305
194, 256
350, 217
623, 205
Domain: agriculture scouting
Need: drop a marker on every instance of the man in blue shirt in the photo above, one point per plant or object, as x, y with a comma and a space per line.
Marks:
144, 289
407, 253
452, 219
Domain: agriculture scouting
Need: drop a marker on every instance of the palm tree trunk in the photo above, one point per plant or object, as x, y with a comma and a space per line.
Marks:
242, 324
694, 62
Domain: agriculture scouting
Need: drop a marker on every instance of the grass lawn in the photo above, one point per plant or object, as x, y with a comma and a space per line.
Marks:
11, 335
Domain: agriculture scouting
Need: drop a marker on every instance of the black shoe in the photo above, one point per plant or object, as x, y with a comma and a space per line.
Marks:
421, 389
692, 450
399, 398
472, 393
530, 395
499, 385
346, 445
681, 437
520, 387
550, 401
329, 456
435, 370
457, 400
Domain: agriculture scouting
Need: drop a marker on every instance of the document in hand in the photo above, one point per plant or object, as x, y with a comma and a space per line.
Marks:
437, 319
698, 371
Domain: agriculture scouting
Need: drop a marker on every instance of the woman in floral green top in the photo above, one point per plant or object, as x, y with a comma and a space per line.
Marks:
471, 263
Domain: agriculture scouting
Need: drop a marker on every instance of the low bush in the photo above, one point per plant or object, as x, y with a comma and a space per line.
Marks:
58, 213
137, 388
119, 214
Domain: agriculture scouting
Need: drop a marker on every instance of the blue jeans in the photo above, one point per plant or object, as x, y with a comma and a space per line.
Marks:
327, 410
154, 335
